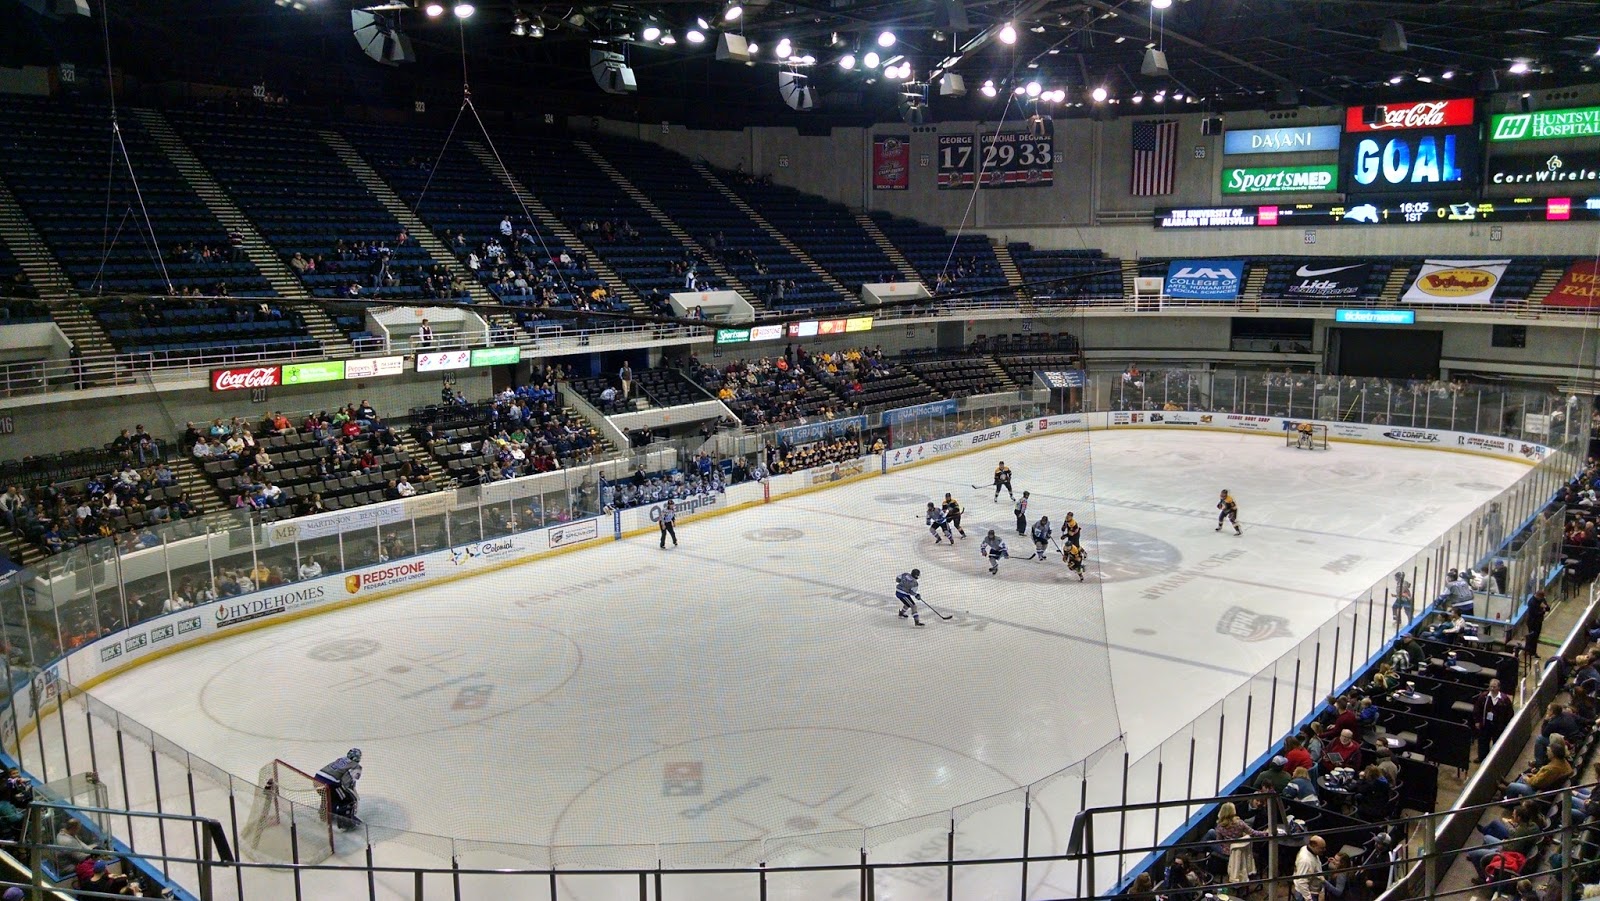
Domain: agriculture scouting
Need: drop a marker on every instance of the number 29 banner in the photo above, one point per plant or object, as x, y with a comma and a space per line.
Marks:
1016, 159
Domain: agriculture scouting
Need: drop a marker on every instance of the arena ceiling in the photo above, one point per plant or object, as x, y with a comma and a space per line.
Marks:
1222, 54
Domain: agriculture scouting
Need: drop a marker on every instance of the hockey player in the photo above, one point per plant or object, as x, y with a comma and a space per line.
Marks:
936, 523
1002, 479
340, 777
1042, 533
1230, 512
952, 512
1071, 532
993, 549
905, 591
1075, 557
1022, 514
1304, 431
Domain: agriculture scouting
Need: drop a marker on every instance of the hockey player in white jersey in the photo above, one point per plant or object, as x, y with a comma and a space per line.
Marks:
1042, 533
993, 548
340, 776
905, 591
937, 522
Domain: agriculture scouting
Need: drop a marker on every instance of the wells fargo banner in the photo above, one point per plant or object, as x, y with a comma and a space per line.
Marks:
1580, 287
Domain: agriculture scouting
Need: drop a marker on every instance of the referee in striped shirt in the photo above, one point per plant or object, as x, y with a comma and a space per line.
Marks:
669, 514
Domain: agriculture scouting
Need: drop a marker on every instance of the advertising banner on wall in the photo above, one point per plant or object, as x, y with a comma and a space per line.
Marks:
1412, 116
1456, 281
1204, 279
1579, 287
1279, 179
1298, 139
1546, 125
956, 169
1328, 280
1558, 170
920, 411
891, 163
1411, 161
1016, 159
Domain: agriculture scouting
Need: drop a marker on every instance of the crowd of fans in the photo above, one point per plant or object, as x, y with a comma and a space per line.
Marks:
702, 476
528, 433
139, 487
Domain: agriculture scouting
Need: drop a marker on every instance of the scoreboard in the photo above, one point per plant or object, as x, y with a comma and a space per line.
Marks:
1375, 211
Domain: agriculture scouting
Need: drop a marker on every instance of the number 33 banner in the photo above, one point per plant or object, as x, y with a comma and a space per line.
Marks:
1015, 160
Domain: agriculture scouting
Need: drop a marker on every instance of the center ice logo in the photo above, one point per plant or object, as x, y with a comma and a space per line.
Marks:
1248, 625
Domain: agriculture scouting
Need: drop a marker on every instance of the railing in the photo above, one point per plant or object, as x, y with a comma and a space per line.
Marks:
566, 335
985, 848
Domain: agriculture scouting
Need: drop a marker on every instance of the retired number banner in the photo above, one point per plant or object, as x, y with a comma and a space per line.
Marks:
956, 169
1016, 159
891, 163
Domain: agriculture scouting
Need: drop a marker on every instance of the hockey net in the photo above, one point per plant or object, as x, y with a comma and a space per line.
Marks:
1316, 440
289, 818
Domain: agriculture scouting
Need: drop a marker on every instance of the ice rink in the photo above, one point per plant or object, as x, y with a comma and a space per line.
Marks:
756, 683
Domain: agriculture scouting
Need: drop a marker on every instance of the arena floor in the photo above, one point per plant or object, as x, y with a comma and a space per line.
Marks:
755, 683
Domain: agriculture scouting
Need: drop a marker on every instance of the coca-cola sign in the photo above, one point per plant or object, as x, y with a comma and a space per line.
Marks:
1405, 116
246, 378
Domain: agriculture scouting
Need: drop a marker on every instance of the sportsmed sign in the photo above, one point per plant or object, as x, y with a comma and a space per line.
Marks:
1546, 125
1279, 179
1303, 139
1204, 279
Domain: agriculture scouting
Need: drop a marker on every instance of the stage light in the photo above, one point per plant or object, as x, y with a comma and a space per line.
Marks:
1425, 79
1033, 89
1396, 79
434, 10
784, 48
695, 36
1520, 67
465, 10
650, 32
1138, 98
752, 48
732, 11
1019, 90
1100, 95
1008, 34
1160, 4
988, 89
1161, 97
847, 62
871, 60
519, 27
808, 60
886, 40
1448, 74
704, 25
667, 40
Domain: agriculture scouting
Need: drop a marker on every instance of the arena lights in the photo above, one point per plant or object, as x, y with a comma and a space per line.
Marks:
847, 62
871, 60
695, 36
1008, 34
1519, 67
988, 89
886, 40
1448, 74
434, 10
1138, 98
667, 40
732, 11
1033, 89
465, 10
784, 48
1161, 4
1100, 95
650, 32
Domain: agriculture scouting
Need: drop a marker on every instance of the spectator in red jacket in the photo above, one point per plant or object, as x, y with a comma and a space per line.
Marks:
1346, 720
1296, 754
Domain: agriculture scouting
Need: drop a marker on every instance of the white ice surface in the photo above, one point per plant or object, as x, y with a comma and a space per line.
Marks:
765, 652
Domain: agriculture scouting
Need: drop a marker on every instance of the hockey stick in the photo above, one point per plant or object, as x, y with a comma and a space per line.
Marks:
976, 487
935, 612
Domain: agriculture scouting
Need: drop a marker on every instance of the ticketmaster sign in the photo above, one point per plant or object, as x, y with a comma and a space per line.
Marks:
1279, 179
1546, 125
1303, 139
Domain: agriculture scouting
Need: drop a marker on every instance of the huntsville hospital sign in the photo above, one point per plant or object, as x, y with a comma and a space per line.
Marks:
1546, 125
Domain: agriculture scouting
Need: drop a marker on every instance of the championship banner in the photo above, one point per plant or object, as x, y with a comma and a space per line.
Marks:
1328, 280
1204, 279
955, 162
891, 163
1456, 281
1580, 287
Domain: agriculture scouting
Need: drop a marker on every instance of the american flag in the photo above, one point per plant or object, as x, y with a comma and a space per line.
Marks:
1155, 158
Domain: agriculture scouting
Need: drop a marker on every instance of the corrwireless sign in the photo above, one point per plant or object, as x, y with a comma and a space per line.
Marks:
1204, 279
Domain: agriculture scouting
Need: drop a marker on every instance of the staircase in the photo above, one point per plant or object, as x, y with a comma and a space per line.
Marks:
1000, 373
666, 222
321, 326
202, 491
87, 335
901, 264
32, 254
419, 455
397, 208
1528, 307
1399, 277
1008, 266
1255, 278
782, 239
1130, 271
553, 224
256, 249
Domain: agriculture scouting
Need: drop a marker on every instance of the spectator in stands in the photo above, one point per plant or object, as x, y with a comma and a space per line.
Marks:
1345, 720
71, 846
1555, 772
1491, 714
1301, 788
1308, 869
1371, 791
1273, 777
1295, 755
1522, 828
1344, 751
1559, 719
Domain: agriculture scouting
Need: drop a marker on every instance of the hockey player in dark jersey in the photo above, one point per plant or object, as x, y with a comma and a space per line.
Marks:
952, 513
937, 523
1071, 532
1002, 479
1230, 512
1075, 557
993, 549
1042, 533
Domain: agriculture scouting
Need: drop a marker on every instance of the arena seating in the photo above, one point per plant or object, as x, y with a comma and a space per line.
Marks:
1098, 275
672, 184
959, 375
867, 381
461, 437
215, 330
306, 201
664, 387
765, 390
54, 157
827, 231
577, 192
972, 265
